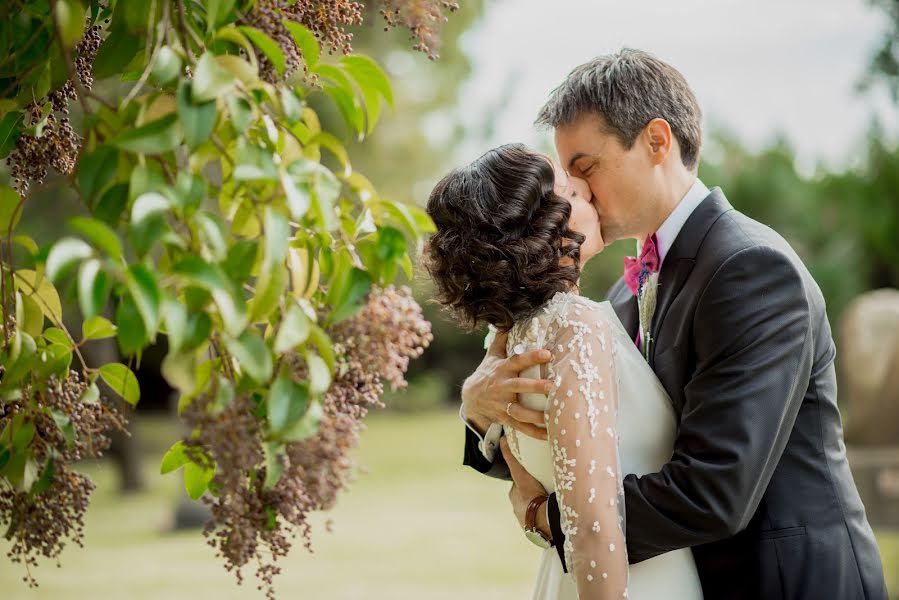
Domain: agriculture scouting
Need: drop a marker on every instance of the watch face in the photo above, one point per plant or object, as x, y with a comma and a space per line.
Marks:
537, 538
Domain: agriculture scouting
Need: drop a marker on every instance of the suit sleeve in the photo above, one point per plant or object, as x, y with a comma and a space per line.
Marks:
753, 355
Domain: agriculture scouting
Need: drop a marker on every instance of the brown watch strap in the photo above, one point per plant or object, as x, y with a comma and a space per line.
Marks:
530, 517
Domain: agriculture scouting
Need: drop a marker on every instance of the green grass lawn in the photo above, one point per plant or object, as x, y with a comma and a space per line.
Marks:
417, 525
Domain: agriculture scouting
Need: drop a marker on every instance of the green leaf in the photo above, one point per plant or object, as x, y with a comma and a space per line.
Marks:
212, 231
131, 335
277, 234
196, 479
95, 169
268, 46
148, 205
197, 120
46, 295
216, 12
298, 196
93, 287
319, 373
229, 301
43, 483
293, 108
347, 297
274, 467
241, 113
174, 459
253, 355
54, 335
179, 370
332, 144
122, 381
91, 394
175, 317
64, 423
293, 331
69, 16
286, 402
166, 66
64, 254
155, 137
112, 204
9, 132
270, 287
322, 342
33, 321
22, 435
96, 328
366, 72
210, 80
306, 42
10, 213
143, 287
223, 396
307, 426
117, 50
348, 105
99, 234
240, 260
373, 84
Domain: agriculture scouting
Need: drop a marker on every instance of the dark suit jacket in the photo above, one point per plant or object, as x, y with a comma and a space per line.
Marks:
758, 484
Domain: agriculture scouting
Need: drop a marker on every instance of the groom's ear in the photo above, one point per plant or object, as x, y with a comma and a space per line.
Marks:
658, 139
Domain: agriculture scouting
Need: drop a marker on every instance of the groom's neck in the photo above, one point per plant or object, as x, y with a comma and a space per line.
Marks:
670, 195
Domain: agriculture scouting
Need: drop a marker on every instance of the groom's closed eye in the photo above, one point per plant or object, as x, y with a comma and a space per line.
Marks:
583, 168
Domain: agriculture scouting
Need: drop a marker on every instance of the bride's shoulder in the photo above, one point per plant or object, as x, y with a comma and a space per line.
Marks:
568, 303
568, 309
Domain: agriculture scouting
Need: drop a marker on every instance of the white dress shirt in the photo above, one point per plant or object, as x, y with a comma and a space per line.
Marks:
666, 234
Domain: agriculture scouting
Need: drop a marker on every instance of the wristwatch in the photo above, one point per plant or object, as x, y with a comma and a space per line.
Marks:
530, 523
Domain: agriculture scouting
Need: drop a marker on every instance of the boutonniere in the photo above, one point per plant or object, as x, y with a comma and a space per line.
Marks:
646, 300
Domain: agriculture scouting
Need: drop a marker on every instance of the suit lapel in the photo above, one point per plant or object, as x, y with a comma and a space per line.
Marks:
682, 256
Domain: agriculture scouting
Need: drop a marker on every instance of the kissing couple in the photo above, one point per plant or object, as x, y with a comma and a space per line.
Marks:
680, 439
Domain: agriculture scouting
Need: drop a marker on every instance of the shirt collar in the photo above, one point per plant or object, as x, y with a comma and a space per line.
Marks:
667, 233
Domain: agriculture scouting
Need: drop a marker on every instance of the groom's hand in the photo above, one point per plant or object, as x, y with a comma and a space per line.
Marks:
524, 489
495, 383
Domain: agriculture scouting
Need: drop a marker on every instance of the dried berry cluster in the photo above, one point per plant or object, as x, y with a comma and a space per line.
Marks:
328, 20
250, 522
39, 525
423, 18
55, 144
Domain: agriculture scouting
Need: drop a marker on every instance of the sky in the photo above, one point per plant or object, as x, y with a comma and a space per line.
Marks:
759, 69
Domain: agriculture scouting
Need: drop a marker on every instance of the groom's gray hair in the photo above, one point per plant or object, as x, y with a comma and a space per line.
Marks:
629, 89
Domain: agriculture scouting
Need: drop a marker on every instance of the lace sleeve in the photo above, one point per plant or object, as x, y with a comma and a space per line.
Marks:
581, 422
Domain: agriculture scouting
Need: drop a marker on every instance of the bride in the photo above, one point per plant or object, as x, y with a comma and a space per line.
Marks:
513, 234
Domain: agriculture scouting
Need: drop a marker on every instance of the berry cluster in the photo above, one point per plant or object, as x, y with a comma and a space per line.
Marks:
423, 18
250, 522
326, 19
39, 524
56, 145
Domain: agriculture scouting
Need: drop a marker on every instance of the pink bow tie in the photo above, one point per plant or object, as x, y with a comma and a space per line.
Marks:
636, 269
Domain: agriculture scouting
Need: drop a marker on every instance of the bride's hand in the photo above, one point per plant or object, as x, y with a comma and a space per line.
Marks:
495, 383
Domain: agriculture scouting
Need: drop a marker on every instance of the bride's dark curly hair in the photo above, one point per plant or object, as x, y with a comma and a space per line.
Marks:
501, 235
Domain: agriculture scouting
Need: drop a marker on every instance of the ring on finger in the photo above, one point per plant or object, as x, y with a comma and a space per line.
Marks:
508, 406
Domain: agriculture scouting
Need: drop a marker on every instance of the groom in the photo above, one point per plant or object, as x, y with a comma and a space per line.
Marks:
758, 484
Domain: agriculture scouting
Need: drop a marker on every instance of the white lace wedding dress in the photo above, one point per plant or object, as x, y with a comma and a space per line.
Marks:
607, 414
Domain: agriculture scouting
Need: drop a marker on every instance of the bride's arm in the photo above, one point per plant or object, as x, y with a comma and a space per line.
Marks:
581, 422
